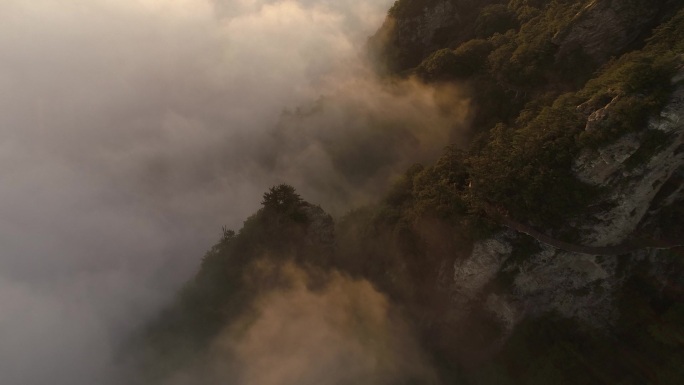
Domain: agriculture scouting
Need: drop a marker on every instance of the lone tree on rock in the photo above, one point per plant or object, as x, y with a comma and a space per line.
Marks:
281, 198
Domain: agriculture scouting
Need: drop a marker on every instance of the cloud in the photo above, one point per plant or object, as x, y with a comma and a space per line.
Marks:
345, 148
133, 130
343, 332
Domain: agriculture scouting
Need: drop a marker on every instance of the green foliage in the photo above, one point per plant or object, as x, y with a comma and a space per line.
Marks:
669, 36
533, 105
520, 168
526, 10
638, 86
527, 58
531, 161
473, 54
442, 64
518, 62
463, 62
496, 18
439, 190
284, 200
281, 198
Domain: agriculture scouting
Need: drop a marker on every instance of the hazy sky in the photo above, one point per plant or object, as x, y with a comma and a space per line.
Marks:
132, 130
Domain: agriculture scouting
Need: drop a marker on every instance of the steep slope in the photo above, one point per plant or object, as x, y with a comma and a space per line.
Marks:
285, 229
495, 252
576, 147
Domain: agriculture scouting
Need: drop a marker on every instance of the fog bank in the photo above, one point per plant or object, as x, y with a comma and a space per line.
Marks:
134, 130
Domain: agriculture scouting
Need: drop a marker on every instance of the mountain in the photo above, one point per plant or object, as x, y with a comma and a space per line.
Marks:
549, 251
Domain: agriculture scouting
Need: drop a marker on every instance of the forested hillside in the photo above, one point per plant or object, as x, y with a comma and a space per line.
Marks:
577, 134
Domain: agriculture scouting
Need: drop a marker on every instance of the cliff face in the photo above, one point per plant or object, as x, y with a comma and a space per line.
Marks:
633, 186
585, 286
592, 99
604, 28
413, 30
639, 175
515, 279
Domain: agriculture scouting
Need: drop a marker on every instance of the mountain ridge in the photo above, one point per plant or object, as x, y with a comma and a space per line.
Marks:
579, 128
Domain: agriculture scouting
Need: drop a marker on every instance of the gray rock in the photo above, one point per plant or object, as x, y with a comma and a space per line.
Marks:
473, 273
605, 28
632, 189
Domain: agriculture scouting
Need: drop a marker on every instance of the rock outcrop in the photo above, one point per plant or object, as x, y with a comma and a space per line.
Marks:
604, 28
471, 275
407, 37
580, 285
633, 187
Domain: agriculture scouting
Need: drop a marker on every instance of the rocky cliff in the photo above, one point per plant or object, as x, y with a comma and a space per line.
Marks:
604, 28
547, 250
605, 250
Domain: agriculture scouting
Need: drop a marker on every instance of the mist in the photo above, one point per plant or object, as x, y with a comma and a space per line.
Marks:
313, 327
134, 130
